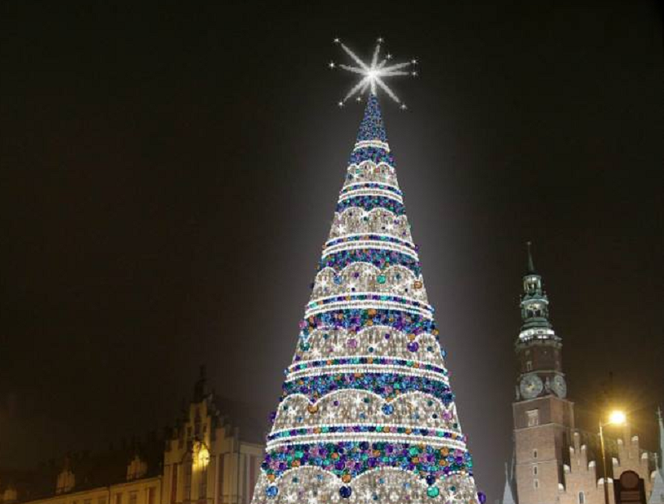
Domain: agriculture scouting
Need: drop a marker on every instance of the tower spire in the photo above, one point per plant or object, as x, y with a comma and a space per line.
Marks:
531, 264
534, 302
661, 438
657, 493
508, 494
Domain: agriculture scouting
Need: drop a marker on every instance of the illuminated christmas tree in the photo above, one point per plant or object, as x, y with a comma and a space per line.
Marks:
367, 414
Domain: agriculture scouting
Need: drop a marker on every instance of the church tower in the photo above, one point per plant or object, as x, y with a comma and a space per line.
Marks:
543, 417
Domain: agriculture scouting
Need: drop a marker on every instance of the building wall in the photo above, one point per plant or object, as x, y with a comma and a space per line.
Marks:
204, 462
541, 430
207, 463
581, 480
140, 491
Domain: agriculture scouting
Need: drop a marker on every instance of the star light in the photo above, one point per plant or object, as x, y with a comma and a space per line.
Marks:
373, 74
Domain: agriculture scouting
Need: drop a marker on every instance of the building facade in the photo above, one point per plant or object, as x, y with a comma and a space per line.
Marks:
204, 459
554, 462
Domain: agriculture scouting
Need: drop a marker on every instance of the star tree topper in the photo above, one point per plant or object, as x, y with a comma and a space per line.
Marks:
373, 74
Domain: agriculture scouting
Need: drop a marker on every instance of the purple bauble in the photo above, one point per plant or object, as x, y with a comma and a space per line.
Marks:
413, 346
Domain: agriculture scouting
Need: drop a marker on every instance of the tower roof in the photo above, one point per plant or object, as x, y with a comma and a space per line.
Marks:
534, 306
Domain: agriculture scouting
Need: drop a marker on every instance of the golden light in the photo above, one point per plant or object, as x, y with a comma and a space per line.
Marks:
617, 417
203, 456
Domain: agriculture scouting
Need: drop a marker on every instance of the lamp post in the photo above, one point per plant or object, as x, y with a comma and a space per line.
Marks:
615, 418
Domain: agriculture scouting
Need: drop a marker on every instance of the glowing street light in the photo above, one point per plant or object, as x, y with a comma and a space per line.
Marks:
616, 417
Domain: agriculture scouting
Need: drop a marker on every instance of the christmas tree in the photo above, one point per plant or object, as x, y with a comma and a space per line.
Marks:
367, 414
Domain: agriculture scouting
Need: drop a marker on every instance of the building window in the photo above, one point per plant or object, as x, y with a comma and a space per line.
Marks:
101, 500
187, 479
582, 498
533, 417
174, 484
150, 496
133, 497
535, 453
535, 472
202, 483
535, 484
118, 498
529, 365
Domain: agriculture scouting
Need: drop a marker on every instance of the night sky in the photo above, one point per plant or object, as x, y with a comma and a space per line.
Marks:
169, 172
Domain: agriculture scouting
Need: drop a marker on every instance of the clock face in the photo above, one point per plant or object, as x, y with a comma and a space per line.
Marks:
531, 386
559, 386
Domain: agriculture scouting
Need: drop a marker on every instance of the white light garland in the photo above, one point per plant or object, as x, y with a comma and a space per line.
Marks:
370, 192
378, 144
376, 437
368, 368
366, 305
370, 244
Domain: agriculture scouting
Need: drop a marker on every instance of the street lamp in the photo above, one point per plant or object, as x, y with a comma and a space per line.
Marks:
615, 418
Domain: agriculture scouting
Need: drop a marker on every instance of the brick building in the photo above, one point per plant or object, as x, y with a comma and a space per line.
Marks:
554, 461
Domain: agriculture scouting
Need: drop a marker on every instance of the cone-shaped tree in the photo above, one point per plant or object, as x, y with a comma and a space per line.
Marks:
367, 414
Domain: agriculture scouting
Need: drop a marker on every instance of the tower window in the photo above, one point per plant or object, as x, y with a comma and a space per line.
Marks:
534, 453
535, 484
529, 365
533, 417
535, 472
582, 498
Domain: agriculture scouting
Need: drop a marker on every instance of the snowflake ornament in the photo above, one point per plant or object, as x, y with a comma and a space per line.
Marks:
373, 75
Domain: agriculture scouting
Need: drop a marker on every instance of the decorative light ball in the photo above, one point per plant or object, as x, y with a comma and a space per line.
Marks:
433, 491
481, 496
345, 492
271, 491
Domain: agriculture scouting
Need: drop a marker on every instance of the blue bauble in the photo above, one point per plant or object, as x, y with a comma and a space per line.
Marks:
345, 492
271, 491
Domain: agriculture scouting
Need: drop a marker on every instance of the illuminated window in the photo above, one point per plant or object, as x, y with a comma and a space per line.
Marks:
533, 417
529, 365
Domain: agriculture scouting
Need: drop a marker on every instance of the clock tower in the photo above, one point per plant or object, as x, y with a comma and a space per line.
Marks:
543, 417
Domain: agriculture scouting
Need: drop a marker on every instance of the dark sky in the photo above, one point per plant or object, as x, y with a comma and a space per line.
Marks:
169, 172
